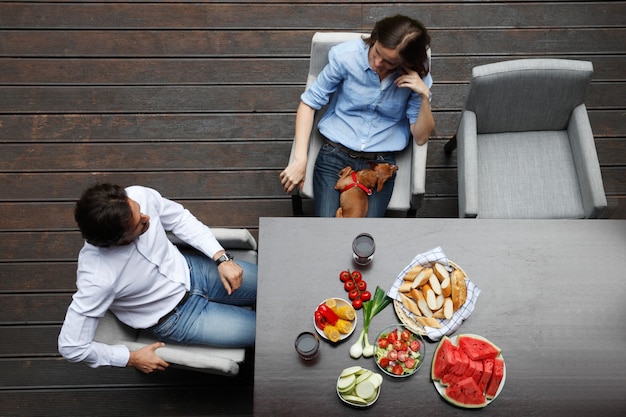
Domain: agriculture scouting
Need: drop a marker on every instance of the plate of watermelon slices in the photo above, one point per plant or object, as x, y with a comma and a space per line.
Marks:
468, 370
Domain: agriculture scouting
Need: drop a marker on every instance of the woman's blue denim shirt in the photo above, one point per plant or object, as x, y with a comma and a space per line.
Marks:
365, 114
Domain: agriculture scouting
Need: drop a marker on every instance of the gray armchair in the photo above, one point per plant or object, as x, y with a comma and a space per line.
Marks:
410, 183
209, 359
525, 145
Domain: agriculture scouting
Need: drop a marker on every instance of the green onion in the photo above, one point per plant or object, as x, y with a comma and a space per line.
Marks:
370, 309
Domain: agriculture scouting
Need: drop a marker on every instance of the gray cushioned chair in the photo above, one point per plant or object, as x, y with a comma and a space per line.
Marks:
410, 183
525, 145
221, 361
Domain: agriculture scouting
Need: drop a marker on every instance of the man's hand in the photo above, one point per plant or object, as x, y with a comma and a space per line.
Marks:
146, 360
231, 275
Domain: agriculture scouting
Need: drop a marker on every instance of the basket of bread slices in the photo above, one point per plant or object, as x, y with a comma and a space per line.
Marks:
433, 296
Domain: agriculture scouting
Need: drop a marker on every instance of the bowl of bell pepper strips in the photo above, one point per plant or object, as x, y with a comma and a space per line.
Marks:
335, 319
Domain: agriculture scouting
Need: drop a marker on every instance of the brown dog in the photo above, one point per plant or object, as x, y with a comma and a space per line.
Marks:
357, 186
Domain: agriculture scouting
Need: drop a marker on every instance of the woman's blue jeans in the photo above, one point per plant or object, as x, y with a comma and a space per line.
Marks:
210, 316
329, 162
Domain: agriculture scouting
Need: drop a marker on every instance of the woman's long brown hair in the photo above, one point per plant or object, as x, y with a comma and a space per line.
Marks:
408, 36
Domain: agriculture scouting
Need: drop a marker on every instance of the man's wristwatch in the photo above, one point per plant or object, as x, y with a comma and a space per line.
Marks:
227, 256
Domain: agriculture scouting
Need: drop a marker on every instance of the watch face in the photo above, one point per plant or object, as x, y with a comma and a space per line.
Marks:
227, 256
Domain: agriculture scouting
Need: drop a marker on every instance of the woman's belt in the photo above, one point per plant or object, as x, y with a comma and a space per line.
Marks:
356, 154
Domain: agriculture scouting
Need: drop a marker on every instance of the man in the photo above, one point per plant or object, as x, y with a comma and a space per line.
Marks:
129, 266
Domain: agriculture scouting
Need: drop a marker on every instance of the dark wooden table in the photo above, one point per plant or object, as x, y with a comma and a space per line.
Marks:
553, 298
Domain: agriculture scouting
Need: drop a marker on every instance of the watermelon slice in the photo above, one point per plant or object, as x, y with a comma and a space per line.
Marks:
466, 394
477, 347
455, 370
486, 376
443, 358
457, 362
471, 368
496, 378
478, 371
463, 363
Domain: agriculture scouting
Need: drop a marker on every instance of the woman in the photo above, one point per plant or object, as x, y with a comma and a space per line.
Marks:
382, 98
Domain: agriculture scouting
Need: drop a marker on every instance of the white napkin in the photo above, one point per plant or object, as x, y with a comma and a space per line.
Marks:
447, 326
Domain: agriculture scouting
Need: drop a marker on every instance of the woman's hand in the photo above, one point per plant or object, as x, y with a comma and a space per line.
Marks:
411, 79
425, 123
293, 175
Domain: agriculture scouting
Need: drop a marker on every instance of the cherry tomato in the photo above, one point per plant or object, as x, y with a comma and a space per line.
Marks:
397, 370
392, 355
357, 276
357, 303
405, 335
402, 356
399, 345
354, 294
383, 343
361, 285
349, 285
366, 296
415, 345
392, 337
345, 276
384, 362
409, 362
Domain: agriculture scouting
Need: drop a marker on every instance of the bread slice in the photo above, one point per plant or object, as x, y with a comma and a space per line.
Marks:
422, 277
405, 287
435, 284
459, 289
446, 287
423, 305
448, 308
441, 272
428, 321
412, 273
410, 305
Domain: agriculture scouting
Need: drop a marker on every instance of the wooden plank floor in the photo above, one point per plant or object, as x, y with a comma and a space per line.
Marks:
197, 99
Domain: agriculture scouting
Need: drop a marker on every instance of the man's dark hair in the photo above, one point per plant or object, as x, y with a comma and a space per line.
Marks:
103, 214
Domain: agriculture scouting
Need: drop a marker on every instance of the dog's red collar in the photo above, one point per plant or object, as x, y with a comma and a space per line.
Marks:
356, 183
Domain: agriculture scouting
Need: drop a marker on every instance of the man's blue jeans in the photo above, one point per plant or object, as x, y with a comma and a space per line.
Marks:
210, 316
329, 162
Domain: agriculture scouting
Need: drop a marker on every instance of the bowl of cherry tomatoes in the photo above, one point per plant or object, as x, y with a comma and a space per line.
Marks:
398, 351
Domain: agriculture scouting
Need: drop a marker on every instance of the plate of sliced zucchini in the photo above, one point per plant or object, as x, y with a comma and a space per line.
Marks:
359, 387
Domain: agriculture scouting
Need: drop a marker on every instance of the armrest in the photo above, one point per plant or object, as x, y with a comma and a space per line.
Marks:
235, 238
238, 241
418, 171
586, 162
229, 238
222, 361
111, 331
467, 138
199, 358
